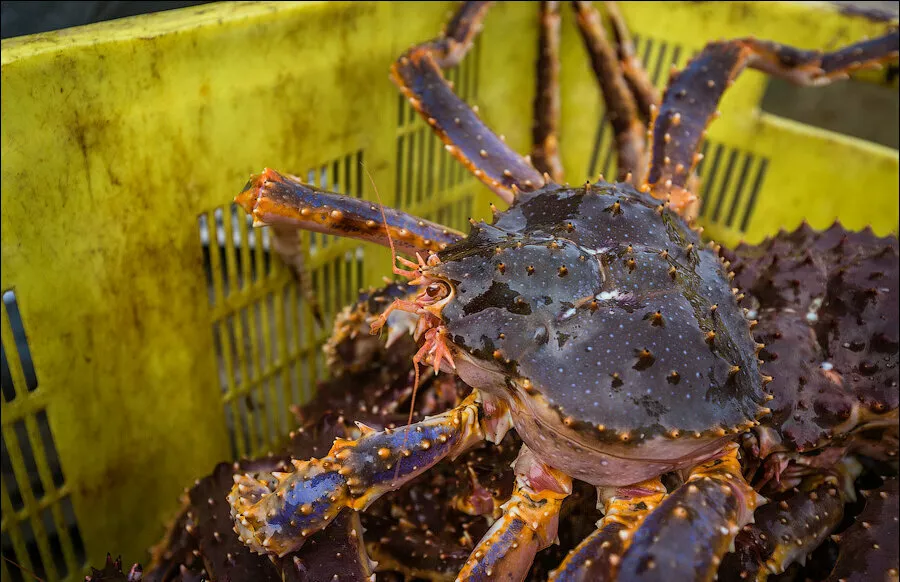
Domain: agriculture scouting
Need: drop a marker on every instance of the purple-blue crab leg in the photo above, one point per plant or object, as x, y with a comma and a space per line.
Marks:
596, 559
545, 127
786, 530
686, 537
868, 548
418, 75
528, 524
645, 94
278, 517
621, 107
691, 99
284, 201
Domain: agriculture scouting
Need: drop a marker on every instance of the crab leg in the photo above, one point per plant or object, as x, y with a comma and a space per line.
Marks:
598, 556
286, 242
621, 108
788, 530
687, 535
278, 518
545, 129
284, 201
645, 94
418, 75
528, 525
868, 548
691, 99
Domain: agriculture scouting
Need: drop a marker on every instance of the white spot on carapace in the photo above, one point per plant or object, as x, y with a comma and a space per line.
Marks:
609, 295
812, 314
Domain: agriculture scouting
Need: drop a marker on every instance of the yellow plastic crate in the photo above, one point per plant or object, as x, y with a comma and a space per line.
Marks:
146, 331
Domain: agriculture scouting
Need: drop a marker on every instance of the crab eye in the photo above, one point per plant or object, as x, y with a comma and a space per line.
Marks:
438, 290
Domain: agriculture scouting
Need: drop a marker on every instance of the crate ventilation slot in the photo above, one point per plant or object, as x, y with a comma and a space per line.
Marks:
266, 341
40, 534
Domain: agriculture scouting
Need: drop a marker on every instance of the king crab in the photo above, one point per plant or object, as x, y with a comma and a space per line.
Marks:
595, 322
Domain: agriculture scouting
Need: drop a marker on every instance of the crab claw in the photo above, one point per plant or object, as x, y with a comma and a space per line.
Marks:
478, 500
277, 516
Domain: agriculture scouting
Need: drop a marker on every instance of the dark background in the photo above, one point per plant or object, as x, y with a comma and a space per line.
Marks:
20, 18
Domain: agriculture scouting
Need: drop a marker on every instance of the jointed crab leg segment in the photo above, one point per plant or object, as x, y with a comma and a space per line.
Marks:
624, 508
528, 525
286, 242
686, 537
545, 128
840, 63
786, 530
285, 202
691, 99
418, 75
645, 94
278, 519
457, 38
868, 548
621, 109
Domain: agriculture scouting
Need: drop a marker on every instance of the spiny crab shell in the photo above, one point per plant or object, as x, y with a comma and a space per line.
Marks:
608, 326
828, 308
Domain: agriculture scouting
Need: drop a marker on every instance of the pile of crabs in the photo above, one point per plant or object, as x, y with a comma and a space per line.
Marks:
596, 392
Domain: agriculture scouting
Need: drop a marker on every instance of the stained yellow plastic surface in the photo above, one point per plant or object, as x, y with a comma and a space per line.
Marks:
123, 140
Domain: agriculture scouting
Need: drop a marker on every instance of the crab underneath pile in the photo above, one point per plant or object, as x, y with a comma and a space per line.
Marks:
595, 322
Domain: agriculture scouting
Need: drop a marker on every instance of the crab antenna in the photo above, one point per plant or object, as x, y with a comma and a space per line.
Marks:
387, 230
412, 408
412, 401
24, 569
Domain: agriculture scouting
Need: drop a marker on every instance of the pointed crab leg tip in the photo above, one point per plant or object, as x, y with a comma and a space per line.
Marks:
250, 195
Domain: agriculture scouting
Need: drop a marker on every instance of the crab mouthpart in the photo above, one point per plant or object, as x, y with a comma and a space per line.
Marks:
436, 349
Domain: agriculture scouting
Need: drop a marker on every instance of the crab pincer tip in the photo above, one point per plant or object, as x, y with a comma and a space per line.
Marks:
250, 193
255, 190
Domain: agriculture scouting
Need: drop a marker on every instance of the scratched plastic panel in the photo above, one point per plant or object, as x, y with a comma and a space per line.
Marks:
39, 531
154, 361
266, 340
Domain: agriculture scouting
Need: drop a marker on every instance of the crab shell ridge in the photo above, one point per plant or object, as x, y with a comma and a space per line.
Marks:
610, 329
